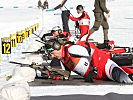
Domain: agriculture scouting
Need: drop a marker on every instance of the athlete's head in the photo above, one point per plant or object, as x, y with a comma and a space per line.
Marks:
54, 48
80, 9
56, 31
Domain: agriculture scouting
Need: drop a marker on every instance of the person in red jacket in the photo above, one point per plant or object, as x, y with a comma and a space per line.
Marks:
84, 22
88, 61
57, 32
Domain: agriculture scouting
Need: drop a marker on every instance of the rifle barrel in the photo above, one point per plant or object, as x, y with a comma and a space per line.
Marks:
19, 63
15, 62
36, 35
29, 52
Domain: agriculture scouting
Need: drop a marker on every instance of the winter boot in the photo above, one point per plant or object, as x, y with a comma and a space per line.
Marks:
107, 46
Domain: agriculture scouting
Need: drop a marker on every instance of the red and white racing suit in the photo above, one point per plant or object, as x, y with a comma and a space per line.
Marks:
69, 36
84, 22
77, 58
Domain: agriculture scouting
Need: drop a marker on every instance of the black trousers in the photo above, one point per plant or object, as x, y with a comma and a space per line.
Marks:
123, 61
65, 20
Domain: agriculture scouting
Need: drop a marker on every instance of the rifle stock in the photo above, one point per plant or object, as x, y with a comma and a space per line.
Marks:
60, 71
44, 69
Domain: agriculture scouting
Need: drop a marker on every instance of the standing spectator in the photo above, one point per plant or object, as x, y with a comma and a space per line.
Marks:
45, 4
64, 15
39, 4
100, 19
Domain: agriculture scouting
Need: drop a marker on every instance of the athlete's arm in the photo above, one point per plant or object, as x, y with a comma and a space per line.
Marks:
60, 5
78, 51
95, 59
76, 19
103, 6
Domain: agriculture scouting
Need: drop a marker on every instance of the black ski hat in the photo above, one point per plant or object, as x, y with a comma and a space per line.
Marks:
54, 44
79, 7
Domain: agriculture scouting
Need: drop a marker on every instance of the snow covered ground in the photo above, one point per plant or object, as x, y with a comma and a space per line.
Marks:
120, 22
87, 90
15, 19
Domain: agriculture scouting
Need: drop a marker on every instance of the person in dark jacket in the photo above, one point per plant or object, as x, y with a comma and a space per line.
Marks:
64, 15
100, 19
45, 4
39, 4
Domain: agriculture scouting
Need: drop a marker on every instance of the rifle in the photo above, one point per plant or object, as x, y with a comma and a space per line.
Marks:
34, 52
46, 70
42, 51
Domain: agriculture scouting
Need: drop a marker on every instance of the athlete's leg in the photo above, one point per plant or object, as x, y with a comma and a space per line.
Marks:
122, 61
116, 73
84, 31
84, 38
65, 20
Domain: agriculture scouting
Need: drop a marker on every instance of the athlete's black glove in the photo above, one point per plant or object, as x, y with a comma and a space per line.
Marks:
93, 72
77, 24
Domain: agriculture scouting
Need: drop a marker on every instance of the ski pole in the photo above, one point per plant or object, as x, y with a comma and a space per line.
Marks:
69, 12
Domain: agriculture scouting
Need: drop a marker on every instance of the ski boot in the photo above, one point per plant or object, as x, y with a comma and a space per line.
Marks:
131, 76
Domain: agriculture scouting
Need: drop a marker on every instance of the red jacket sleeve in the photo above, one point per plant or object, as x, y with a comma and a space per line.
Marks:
64, 33
95, 58
74, 18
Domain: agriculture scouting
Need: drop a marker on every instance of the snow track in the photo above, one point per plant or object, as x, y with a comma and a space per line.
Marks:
15, 19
